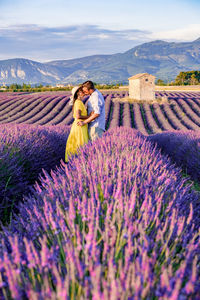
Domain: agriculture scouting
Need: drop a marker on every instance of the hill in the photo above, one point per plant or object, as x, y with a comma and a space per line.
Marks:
163, 59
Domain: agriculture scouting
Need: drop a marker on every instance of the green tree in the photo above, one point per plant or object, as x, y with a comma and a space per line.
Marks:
181, 79
189, 77
193, 80
160, 82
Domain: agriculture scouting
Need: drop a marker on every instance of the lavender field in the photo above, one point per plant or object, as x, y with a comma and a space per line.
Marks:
119, 221
181, 112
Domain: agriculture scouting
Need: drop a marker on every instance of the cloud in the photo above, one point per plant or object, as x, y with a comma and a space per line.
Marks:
189, 33
51, 43
45, 43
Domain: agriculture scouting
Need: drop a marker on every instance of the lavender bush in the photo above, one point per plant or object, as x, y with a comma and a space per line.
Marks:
24, 151
183, 147
116, 222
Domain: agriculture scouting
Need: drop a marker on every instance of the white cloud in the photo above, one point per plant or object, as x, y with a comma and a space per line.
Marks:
188, 33
50, 43
103, 36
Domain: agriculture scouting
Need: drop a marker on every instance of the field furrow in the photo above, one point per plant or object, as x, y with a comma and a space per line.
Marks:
10, 107
132, 115
115, 115
43, 109
182, 117
194, 118
139, 119
108, 111
152, 124
172, 117
162, 117
17, 113
59, 111
127, 115
29, 115
52, 112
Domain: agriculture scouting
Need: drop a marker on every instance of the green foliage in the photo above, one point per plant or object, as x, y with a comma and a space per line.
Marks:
160, 82
194, 184
8, 180
188, 78
14, 87
106, 86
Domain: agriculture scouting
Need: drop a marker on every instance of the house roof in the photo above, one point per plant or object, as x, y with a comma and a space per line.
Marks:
137, 76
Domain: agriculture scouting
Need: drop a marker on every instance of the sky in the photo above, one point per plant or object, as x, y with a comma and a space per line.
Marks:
46, 30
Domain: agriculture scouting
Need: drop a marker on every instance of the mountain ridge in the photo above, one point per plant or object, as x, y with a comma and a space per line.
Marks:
163, 59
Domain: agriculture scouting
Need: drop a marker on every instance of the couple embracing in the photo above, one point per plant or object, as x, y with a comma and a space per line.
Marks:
89, 123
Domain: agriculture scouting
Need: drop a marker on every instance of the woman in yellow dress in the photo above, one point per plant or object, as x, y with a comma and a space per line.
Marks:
78, 134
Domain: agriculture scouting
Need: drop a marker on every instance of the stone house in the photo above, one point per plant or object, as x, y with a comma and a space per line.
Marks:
142, 87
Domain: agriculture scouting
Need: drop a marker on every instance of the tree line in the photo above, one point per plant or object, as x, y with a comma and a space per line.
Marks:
183, 78
15, 87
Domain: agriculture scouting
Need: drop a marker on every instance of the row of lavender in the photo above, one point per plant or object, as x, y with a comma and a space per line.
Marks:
181, 112
183, 148
117, 222
25, 150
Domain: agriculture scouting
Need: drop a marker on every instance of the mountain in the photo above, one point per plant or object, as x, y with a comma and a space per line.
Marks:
21, 70
163, 59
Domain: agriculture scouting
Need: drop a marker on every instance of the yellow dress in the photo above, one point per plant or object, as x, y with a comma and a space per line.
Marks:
78, 134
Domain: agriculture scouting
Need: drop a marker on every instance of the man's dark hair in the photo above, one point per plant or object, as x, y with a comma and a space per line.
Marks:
89, 85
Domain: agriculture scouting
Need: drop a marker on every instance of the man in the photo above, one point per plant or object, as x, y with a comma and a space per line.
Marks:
96, 111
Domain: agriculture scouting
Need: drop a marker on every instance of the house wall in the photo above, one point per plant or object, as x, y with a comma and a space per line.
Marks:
142, 88
134, 89
147, 87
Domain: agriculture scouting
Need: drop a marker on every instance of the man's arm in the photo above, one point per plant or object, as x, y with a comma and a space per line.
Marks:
92, 117
79, 116
95, 110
